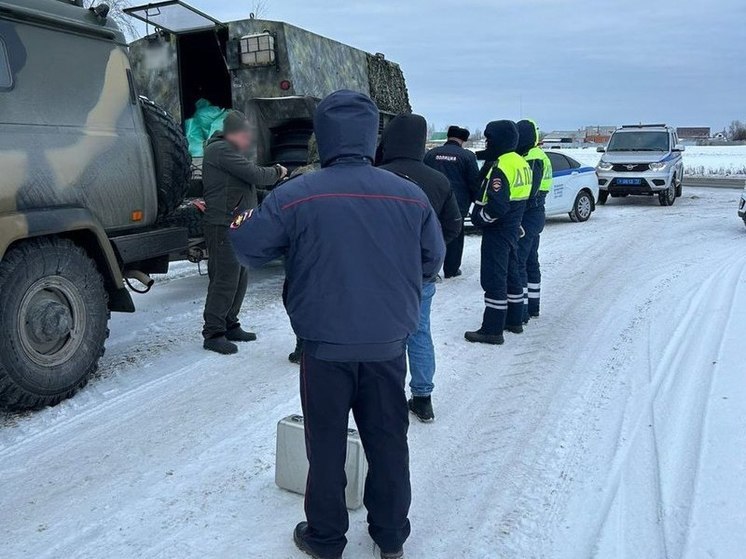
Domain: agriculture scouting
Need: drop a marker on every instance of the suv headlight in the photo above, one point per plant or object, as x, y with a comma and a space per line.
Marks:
605, 166
658, 166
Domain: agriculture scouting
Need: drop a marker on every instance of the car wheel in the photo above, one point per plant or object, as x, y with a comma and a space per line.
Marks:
668, 197
583, 207
53, 319
603, 196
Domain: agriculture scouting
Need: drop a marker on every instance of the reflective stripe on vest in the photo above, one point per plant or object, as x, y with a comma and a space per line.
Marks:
546, 180
518, 173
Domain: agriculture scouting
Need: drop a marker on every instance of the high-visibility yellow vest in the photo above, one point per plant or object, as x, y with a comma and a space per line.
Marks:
546, 180
517, 171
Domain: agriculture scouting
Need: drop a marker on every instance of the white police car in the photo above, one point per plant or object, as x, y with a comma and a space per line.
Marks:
742, 207
574, 188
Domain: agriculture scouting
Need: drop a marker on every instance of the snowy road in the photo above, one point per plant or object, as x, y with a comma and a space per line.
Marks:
614, 427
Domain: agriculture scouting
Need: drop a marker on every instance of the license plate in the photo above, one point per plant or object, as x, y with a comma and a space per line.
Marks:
629, 182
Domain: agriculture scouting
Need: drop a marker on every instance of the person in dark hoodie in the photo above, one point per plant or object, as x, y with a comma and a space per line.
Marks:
360, 242
402, 150
230, 181
498, 212
526, 259
460, 166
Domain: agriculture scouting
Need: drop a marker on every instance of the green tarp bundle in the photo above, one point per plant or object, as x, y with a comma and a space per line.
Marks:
207, 120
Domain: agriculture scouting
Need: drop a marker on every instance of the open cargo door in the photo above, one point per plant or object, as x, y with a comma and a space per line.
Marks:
174, 16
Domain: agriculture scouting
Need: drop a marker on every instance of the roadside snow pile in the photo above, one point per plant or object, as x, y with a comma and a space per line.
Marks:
698, 160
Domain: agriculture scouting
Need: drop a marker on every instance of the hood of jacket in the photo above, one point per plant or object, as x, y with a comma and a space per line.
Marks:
404, 138
528, 136
502, 138
346, 125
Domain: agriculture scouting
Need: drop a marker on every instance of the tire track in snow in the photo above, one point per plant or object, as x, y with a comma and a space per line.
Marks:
678, 354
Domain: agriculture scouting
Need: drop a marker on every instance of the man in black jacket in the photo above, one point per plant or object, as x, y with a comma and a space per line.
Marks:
230, 181
460, 166
360, 242
402, 149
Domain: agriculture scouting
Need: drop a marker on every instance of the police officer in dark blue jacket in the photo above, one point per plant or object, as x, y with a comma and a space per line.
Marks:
360, 242
460, 166
498, 211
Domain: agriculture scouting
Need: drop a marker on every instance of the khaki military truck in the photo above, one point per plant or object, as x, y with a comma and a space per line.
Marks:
88, 168
94, 175
274, 72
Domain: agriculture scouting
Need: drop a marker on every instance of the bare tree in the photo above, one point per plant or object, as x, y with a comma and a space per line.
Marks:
737, 131
259, 8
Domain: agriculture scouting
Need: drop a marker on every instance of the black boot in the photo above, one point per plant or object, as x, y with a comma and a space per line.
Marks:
238, 334
479, 337
300, 542
220, 345
422, 407
394, 555
297, 354
515, 329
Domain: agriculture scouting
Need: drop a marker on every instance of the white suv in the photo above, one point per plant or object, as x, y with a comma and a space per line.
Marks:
643, 159
742, 206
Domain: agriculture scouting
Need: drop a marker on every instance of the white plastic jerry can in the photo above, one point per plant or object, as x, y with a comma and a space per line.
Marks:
291, 468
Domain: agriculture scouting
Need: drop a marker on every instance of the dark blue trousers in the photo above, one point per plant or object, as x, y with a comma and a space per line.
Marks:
524, 274
374, 391
497, 249
534, 219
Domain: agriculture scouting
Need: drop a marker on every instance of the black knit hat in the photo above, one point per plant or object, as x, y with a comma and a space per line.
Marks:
236, 121
458, 133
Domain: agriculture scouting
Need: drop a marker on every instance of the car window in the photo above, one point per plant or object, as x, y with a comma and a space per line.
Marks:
559, 161
6, 78
639, 141
574, 164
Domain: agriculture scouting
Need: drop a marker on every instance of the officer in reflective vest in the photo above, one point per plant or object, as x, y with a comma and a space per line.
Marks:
527, 256
498, 212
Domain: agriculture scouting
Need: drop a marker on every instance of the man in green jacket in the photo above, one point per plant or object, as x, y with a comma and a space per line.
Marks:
230, 182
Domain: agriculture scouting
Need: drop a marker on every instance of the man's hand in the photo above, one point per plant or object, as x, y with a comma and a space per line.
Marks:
282, 170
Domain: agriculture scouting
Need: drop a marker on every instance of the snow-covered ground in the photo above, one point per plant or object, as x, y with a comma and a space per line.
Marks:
698, 160
613, 428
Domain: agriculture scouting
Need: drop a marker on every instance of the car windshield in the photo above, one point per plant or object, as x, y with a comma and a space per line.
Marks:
639, 141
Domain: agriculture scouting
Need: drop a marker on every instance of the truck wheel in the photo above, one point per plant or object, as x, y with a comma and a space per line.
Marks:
603, 196
668, 197
187, 216
583, 207
173, 164
53, 319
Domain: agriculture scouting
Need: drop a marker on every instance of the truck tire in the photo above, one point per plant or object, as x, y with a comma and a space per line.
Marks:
54, 322
173, 164
187, 216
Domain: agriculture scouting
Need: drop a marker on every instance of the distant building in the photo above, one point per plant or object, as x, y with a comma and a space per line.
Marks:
598, 134
694, 133
564, 139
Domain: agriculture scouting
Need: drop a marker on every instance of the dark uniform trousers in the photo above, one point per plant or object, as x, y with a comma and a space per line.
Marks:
228, 282
374, 391
524, 275
497, 251
454, 255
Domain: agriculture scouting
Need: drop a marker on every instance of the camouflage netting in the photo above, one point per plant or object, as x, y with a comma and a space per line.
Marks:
387, 86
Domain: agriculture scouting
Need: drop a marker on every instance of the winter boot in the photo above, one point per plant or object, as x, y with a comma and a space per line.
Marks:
220, 345
394, 555
238, 334
422, 408
295, 357
300, 542
514, 328
480, 337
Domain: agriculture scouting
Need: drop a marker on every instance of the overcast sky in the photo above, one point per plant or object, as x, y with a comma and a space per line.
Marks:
564, 63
